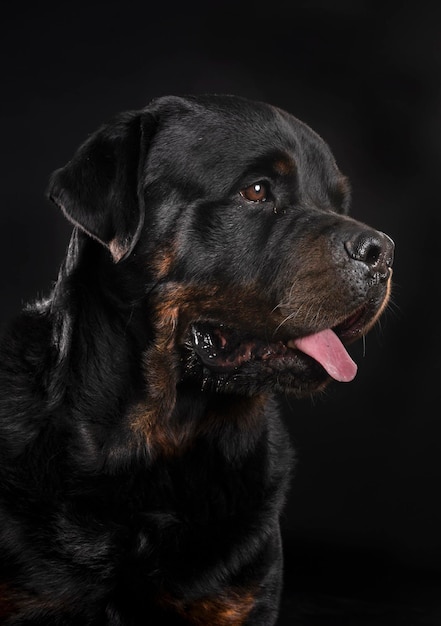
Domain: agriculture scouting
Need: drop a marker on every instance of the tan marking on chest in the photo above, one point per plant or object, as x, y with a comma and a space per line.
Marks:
227, 609
8, 601
168, 438
14, 601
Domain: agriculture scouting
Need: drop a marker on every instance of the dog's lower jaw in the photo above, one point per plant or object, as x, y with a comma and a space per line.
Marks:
256, 377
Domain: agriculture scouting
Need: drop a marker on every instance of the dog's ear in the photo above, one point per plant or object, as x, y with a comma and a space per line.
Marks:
99, 190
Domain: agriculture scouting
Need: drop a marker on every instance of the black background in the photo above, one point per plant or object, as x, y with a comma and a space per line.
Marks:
362, 525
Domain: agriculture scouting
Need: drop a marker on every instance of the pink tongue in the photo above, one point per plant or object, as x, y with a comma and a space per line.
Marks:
326, 348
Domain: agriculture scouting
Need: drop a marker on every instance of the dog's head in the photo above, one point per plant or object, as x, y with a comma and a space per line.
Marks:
238, 212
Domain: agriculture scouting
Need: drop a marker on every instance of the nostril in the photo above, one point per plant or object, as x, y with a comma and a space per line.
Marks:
364, 248
373, 248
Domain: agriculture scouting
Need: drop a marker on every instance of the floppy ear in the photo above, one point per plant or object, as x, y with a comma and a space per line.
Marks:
99, 189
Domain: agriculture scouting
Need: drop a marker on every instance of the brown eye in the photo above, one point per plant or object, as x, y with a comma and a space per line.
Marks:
257, 192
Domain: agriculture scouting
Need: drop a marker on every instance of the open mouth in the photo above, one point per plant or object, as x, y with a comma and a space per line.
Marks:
221, 348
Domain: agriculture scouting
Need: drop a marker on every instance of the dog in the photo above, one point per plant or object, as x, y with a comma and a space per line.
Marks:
144, 465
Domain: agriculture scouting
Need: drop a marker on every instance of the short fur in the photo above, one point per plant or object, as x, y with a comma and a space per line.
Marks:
143, 463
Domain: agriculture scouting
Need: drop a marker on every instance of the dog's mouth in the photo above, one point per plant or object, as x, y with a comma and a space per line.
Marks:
222, 348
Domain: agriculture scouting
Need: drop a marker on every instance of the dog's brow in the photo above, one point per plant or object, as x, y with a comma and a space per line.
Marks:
285, 165
341, 193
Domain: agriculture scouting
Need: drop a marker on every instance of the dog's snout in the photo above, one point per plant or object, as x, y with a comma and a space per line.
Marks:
374, 248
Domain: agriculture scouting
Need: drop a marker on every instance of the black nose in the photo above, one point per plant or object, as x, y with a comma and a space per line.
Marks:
373, 248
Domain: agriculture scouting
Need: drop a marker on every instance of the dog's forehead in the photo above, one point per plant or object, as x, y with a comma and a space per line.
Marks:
233, 133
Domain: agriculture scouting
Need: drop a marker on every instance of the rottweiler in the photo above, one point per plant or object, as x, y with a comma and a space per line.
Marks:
144, 464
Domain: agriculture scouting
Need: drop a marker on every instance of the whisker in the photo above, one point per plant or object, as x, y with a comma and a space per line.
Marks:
287, 318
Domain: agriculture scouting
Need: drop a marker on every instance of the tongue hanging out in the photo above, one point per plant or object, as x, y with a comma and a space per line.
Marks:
326, 348
223, 349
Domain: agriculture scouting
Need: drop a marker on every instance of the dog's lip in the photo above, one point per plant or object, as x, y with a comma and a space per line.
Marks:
223, 348
352, 325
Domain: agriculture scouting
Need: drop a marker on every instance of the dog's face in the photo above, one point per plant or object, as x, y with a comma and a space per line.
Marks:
238, 213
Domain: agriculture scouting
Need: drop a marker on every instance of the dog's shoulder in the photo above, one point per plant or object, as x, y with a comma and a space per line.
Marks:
24, 343
26, 354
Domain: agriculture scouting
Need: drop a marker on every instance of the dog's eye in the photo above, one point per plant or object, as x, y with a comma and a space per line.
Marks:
257, 192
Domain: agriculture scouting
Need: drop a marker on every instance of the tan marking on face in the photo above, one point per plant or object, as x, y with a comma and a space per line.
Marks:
230, 608
153, 419
314, 294
240, 306
163, 260
285, 166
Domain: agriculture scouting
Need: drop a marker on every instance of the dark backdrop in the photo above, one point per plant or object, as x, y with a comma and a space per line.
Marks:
364, 509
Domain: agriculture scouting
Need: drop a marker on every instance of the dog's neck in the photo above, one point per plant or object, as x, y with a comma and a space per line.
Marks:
216, 419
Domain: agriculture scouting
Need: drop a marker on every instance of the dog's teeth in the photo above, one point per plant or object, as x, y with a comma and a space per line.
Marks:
195, 335
208, 345
206, 379
208, 339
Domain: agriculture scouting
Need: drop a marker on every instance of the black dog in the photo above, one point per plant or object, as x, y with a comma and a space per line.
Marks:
143, 466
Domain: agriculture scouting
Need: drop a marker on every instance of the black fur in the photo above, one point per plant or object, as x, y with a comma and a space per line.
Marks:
143, 464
